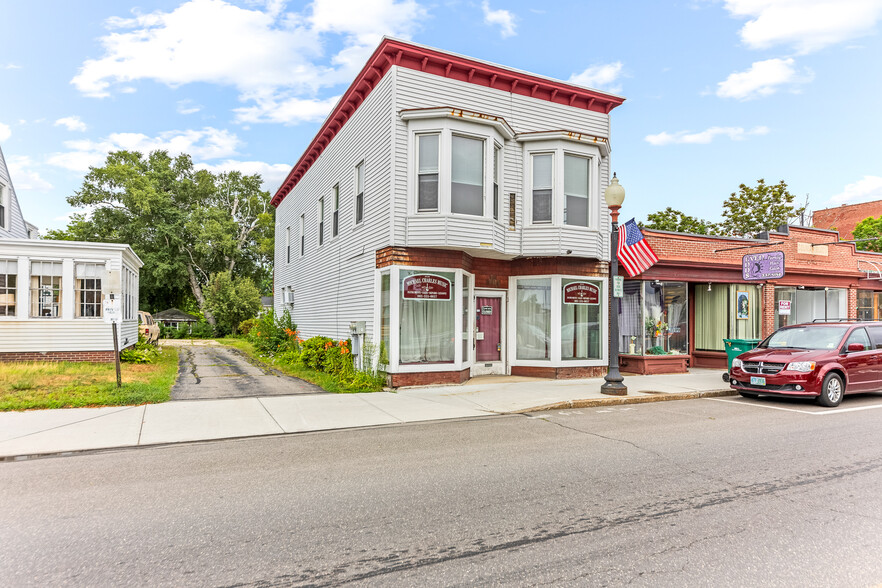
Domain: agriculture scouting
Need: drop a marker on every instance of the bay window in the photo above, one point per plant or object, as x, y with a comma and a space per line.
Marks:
467, 175
427, 317
427, 182
533, 318
576, 177
580, 328
543, 180
456, 162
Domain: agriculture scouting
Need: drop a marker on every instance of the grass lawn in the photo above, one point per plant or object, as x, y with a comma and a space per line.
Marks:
321, 379
29, 385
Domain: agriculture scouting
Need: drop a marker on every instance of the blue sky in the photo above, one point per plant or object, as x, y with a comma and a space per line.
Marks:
719, 92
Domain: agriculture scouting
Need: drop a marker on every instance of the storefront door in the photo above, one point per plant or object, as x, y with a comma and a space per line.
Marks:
489, 340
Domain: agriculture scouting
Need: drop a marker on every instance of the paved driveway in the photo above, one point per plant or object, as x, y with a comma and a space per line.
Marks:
217, 371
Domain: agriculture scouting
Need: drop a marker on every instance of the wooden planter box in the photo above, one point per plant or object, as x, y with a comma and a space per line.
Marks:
654, 364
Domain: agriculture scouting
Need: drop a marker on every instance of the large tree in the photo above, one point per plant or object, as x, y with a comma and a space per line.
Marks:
674, 220
185, 224
761, 208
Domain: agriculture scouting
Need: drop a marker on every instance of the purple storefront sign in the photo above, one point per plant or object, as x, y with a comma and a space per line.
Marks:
763, 266
426, 287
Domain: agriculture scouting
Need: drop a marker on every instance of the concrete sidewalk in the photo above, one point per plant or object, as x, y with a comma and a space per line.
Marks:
61, 431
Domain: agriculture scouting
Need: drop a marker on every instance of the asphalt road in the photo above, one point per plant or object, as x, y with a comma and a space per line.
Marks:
217, 371
710, 492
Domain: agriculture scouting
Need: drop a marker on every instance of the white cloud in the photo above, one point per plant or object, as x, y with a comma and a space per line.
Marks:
11, 66
273, 174
290, 110
804, 25
24, 176
208, 143
502, 18
600, 76
763, 79
867, 189
259, 49
71, 123
703, 137
188, 107
5, 132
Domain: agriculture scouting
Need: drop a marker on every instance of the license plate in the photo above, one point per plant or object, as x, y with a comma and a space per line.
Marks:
754, 381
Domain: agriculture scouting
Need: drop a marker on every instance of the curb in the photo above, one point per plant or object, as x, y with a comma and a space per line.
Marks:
620, 400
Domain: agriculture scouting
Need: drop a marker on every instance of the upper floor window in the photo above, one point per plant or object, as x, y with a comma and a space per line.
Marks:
562, 179
359, 192
88, 289
4, 207
288, 245
335, 222
456, 161
46, 289
8, 281
321, 221
302, 234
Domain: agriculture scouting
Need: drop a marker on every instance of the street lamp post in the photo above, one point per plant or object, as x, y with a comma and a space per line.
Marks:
612, 385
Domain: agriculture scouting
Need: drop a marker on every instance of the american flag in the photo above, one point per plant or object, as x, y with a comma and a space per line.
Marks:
634, 252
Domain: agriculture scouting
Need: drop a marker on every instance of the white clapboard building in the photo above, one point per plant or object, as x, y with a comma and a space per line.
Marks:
454, 208
52, 292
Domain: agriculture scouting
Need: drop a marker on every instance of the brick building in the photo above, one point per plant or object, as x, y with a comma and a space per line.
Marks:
846, 217
679, 311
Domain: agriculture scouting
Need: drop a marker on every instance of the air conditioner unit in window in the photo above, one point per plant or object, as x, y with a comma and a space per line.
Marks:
287, 297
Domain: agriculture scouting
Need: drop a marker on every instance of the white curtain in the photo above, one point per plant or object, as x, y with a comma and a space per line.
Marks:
427, 332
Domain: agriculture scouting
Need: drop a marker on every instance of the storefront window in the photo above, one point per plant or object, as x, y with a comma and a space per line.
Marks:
665, 317
385, 318
465, 318
534, 319
580, 319
808, 304
428, 316
631, 318
727, 311
865, 305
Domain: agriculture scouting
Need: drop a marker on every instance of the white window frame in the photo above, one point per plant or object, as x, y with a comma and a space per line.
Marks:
560, 148
335, 216
79, 291
446, 128
302, 234
321, 221
5, 216
7, 264
555, 359
359, 192
41, 286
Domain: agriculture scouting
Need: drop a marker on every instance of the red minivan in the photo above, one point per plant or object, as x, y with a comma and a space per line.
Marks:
825, 360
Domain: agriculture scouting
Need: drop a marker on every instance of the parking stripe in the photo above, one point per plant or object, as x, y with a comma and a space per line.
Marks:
811, 412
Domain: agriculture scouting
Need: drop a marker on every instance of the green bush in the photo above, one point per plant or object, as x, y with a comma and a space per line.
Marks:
246, 326
272, 335
201, 330
140, 352
312, 352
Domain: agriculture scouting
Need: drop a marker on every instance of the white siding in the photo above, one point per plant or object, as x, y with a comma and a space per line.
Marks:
415, 90
15, 227
333, 283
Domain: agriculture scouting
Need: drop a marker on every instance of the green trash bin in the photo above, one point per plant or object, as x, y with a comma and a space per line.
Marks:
735, 347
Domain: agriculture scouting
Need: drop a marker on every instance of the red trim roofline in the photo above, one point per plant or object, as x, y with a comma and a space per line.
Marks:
394, 52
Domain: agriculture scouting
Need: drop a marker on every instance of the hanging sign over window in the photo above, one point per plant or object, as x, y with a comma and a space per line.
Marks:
784, 307
763, 266
425, 287
581, 293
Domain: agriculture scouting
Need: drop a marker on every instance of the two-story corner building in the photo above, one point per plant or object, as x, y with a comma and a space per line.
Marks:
52, 292
456, 207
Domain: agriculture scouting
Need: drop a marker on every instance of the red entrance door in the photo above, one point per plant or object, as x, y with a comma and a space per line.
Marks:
488, 344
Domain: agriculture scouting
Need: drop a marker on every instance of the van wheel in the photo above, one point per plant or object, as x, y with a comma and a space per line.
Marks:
831, 391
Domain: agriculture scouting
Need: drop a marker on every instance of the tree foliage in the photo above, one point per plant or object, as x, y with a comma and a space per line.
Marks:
231, 300
869, 228
674, 220
185, 224
761, 208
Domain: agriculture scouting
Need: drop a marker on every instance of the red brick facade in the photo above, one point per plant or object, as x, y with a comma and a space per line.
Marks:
90, 356
426, 378
846, 217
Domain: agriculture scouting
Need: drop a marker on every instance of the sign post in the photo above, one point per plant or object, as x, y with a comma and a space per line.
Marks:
112, 312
